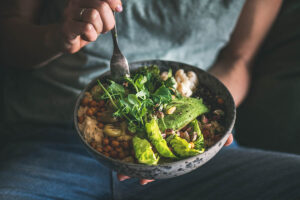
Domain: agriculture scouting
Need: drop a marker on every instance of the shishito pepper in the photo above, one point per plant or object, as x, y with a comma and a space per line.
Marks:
157, 140
181, 147
143, 151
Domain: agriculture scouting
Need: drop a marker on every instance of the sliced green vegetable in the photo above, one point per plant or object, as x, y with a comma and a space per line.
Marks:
199, 143
187, 109
157, 140
182, 147
143, 151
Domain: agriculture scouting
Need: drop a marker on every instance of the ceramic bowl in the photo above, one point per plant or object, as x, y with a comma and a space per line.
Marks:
180, 167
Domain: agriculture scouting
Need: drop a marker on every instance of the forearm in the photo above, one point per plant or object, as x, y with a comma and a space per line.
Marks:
233, 65
26, 45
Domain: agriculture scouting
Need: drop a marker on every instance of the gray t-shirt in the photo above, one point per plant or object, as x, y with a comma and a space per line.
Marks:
191, 31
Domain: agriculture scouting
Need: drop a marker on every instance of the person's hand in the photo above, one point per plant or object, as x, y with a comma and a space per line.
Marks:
85, 20
122, 177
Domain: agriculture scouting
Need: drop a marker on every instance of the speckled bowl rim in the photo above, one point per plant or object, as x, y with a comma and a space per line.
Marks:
92, 83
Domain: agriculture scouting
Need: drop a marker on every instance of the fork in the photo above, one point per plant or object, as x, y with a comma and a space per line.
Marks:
118, 63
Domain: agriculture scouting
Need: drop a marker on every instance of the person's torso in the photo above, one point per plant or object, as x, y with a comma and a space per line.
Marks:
187, 31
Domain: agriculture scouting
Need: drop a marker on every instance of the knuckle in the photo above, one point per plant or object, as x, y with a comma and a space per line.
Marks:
93, 14
87, 28
104, 6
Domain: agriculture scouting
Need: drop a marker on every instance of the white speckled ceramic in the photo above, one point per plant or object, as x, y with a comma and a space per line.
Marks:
168, 170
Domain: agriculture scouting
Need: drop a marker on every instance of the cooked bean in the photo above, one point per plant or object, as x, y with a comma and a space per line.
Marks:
101, 103
115, 143
111, 130
80, 119
220, 101
100, 125
90, 112
99, 149
85, 101
93, 103
119, 149
113, 154
106, 154
93, 144
105, 141
107, 148
121, 155
125, 145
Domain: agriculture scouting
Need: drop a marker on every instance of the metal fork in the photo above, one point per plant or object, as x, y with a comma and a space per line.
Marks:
118, 63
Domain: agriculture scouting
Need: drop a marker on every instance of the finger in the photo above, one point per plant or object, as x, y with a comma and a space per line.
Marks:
229, 140
116, 5
145, 181
122, 177
89, 15
107, 17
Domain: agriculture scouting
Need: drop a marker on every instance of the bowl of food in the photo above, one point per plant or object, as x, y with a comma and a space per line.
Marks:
165, 120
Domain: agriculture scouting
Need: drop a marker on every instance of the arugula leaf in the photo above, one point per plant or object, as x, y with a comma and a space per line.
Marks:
162, 95
170, 83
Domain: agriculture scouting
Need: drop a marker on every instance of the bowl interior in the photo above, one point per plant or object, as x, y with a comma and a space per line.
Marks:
205, 79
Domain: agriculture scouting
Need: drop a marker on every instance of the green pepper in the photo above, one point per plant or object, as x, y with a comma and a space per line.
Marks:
157, 140
199, 143
187, 109
182, 147
143, 151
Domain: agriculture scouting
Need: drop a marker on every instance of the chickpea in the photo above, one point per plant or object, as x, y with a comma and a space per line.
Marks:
93, 103
98, 119
107, 148
106, 154
125, 145
122, 155
220, 101
98, 114
119, 149
90, 112
100, 125
115, 143
93, 144
99, 149
80, 119
101, 103
103, 109
105, 141
114, 154
85, 101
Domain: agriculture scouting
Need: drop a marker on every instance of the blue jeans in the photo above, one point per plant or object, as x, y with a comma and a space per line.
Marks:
52, 164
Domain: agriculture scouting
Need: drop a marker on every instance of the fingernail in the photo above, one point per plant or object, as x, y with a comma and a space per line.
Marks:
123, 178
119, 8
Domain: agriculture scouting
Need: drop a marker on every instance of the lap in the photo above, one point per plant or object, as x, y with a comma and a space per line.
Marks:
52, 164
235, 173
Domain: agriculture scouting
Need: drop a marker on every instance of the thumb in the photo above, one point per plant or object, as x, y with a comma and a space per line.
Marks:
115, 5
